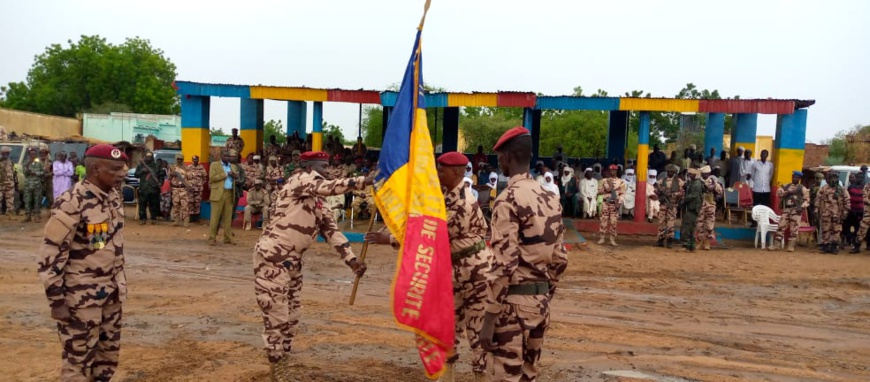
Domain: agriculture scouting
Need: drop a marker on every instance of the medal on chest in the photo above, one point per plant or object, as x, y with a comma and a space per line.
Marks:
98, 235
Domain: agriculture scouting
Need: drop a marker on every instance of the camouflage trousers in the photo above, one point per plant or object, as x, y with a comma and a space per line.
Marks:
7, 195
180, 204
469, 298
91, 342
865, 224
519, 338
791, 220
195, 201
32, 197
667, 217
832, 226
608, 219
278, 292
706, 221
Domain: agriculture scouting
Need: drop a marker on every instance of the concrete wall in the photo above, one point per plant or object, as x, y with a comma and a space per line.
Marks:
131, 127
49, 126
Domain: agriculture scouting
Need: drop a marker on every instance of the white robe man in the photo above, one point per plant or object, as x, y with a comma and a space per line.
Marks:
653, 206
589, 194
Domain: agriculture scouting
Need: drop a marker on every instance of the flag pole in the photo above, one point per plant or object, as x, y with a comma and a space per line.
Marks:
362, 258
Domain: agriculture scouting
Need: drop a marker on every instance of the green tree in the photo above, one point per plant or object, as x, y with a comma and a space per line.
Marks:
330, 131
276, 128
218, 131
92, 74
373, 126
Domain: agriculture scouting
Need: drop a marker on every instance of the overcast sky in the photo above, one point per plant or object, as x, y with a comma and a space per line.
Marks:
756, 49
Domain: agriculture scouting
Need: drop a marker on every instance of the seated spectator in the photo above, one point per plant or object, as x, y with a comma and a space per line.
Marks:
652, 200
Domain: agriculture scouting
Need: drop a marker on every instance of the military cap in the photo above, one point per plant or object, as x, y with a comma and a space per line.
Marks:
310, 156
672, 167
518, 131
256, 157
273, 158
820, 175
613, 167
258, 181
693, 171
798, 173
5, 149
705, 170
105, 152
179, 156
295, 152
453, 158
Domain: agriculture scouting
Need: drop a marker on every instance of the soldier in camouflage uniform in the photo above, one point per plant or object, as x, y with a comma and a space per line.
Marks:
865, 221
692, 202
528, 259
613, 190
670, 193
273, 173
241, 181
178, 179
814, 190
81, 265
298, 218
197, 177
235, 142
7, 180
293, 165
832, 206
150, 180
707, 214
47, 176
794, 198
467, 229
34, 180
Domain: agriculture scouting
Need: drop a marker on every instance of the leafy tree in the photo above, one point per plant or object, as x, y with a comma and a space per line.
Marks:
217, 131
330, 130
373, 125
92, 74
276, 128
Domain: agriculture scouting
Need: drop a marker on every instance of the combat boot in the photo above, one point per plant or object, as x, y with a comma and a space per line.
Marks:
176, 222
601, 240
790, 247
613, 241
247, 226
281, 371
835, 248
705, 245
660, 243
185, 221
448, 373
669, 242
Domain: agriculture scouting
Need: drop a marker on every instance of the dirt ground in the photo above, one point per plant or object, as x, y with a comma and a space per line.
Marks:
630, 313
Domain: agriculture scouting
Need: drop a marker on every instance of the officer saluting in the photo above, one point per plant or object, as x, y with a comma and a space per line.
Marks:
299, 216
82, 267
529, 258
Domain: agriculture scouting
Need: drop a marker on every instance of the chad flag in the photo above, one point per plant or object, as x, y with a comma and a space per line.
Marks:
409, 198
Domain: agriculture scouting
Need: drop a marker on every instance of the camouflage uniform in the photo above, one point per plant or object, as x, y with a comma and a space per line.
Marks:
149, 190
707, 214
82, 266
693, 202
33, 182
258, 202
795, 198
272, 176
670, 192
196, 176
235, 143
832, 207
610, 207
7, 184
180, 195
360, 197
865, 220
298, 218
47, 178
529, 258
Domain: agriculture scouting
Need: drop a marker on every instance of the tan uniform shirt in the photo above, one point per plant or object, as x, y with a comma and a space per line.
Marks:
791, 202
832, 202
273, 174
7, 174
466, 227
607, 185
258, 198
300, 215
197, 176
527, 235
175, 180
674, 192
712, 189
82, 258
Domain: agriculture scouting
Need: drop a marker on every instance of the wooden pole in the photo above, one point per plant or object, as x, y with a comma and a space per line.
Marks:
362, 259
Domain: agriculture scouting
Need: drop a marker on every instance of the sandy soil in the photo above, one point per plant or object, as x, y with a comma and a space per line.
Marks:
626, 314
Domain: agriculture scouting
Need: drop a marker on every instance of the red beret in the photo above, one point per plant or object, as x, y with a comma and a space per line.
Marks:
614, 167
518, 131
309, 156
105, 152
453, 158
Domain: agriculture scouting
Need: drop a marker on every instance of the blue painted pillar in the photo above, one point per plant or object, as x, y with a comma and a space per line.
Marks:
616, 135
450, 139
195, 133
296, 116
714, 133
788, 146
642, 164
251, 125
532, 121
744, 133
317, 126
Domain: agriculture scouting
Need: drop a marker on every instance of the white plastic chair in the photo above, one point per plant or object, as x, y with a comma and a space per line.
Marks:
763, 215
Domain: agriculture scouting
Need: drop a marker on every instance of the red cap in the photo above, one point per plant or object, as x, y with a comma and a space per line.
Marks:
453, 158
518, 131
614, 167
314, 156
105, 152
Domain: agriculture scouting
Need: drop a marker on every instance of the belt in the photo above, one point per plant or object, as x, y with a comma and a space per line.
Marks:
468, 251
530, 289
